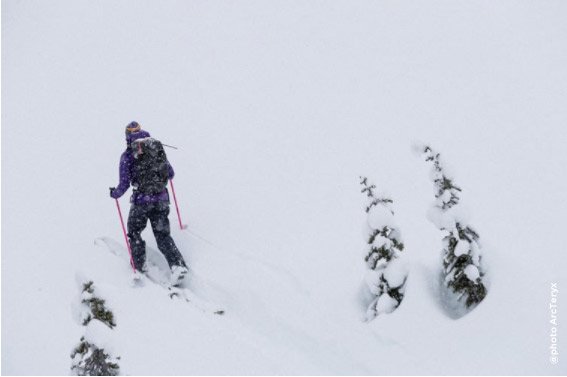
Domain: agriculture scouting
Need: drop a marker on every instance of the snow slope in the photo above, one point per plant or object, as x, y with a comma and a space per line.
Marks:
277, 108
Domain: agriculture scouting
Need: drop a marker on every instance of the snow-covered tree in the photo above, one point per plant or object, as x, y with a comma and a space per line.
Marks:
91, 356
463, 274
96, 307
89, 360
386, 276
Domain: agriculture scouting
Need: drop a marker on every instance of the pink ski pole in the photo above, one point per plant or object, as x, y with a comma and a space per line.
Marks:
125, 236
181, 226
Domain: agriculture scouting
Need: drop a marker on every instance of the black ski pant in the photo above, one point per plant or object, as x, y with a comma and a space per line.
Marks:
137, 220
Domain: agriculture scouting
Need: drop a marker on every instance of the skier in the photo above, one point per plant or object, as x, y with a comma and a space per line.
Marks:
152, 204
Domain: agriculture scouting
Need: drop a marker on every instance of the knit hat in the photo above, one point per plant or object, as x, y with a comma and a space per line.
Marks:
133, 127
134, 132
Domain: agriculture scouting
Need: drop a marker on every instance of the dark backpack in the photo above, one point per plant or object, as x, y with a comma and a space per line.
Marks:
151, 169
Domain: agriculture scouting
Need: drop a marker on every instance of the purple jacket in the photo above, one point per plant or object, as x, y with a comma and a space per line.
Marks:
126, 176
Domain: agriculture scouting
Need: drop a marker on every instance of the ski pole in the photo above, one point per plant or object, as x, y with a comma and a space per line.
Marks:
125, 236
181, 226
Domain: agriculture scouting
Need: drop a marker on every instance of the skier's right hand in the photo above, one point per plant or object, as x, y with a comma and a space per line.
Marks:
112, 191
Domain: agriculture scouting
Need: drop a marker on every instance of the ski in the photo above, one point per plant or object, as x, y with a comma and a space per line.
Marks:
157, 276
179, 291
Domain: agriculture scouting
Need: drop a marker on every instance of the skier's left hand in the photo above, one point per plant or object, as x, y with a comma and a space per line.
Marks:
112, 192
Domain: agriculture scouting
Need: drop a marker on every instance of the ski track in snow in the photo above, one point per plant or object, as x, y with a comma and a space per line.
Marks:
255, 316
244, 257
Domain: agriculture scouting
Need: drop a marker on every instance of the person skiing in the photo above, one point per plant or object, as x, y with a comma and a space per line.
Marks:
148, 174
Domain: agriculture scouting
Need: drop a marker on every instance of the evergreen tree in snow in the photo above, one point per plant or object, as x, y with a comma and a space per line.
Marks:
89, 358
386, 276
463, 275
97, 308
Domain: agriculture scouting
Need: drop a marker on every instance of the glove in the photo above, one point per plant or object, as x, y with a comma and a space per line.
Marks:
112, 192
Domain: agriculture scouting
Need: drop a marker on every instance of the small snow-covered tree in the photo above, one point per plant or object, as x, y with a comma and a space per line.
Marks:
89, 360
386, 275
96, 307
463, 274
89, 357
